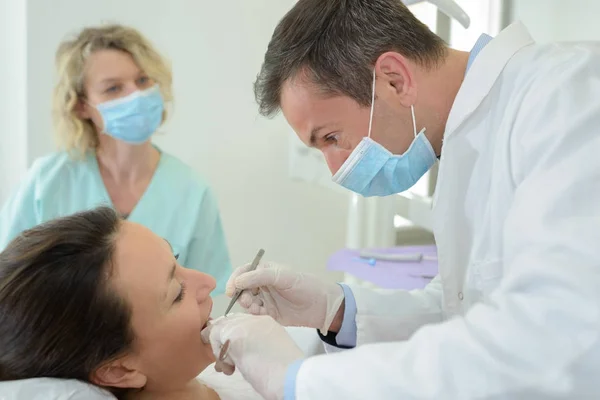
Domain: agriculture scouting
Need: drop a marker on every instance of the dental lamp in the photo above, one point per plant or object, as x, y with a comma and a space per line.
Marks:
448, 7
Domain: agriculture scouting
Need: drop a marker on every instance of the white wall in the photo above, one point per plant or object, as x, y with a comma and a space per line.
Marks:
13, 91
216, 48
558, 20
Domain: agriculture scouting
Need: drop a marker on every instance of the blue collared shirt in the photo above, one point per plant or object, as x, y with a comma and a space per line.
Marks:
347, 335
479, 44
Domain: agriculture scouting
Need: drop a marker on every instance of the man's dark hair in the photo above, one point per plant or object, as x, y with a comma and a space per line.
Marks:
335, 44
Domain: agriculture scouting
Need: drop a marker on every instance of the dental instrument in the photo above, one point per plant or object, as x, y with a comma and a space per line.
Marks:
422, 276
253, 266
370, 261
412, 257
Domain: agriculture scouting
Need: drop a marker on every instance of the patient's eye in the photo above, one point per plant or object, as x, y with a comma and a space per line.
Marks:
181, 293
177, 256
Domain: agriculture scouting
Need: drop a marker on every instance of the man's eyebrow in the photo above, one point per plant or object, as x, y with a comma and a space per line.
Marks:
313, 135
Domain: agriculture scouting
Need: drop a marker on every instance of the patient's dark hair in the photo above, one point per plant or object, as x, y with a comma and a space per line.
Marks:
58, 316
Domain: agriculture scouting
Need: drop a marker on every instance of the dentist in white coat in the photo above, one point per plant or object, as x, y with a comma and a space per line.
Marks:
515, 310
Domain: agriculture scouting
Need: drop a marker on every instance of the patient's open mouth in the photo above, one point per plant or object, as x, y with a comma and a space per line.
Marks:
206, 323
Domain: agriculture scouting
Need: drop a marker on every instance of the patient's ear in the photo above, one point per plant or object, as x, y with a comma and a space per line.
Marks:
120, 373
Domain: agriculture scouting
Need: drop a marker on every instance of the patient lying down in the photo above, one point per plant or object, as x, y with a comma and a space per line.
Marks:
102, 300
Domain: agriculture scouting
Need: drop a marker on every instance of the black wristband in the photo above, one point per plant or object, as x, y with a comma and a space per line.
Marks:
331, 339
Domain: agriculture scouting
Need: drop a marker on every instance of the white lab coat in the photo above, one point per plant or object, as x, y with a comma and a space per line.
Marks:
517, 224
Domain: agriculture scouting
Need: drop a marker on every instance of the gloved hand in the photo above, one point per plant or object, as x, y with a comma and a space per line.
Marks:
291, 298
259, 348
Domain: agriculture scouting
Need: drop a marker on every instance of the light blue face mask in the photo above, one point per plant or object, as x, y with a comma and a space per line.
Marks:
134, 118
372, 170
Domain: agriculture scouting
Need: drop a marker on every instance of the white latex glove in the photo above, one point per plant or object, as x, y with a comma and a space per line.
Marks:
259, 348
292, 298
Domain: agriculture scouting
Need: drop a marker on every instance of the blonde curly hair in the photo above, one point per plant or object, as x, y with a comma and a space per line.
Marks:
78, 136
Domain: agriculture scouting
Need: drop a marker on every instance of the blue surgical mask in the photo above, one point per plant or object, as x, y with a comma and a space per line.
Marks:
372, 170
134, 118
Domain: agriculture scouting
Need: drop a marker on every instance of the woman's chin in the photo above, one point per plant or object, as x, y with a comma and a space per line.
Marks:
208, 321
209, 353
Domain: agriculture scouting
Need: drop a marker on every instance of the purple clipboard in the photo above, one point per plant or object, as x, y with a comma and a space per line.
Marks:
388, 274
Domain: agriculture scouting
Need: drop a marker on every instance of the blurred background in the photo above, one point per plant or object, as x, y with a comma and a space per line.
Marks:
272, 192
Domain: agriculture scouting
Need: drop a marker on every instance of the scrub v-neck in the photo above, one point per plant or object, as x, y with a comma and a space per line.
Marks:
147, 192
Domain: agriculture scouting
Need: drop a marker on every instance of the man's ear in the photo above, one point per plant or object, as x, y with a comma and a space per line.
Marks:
120, 373
396, 76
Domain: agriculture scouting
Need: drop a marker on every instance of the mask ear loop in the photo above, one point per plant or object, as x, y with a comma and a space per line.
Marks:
412, 111
372, 104
101, 115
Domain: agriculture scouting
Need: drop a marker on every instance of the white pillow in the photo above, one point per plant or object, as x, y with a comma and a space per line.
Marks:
51, 389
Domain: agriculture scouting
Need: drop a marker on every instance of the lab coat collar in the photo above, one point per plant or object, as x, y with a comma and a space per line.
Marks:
484, 72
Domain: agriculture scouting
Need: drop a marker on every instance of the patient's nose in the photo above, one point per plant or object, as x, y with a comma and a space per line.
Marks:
204, 285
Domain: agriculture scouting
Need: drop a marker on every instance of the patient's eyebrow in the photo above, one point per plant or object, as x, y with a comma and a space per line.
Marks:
172, 273
169, 243
170, 278
173, 268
